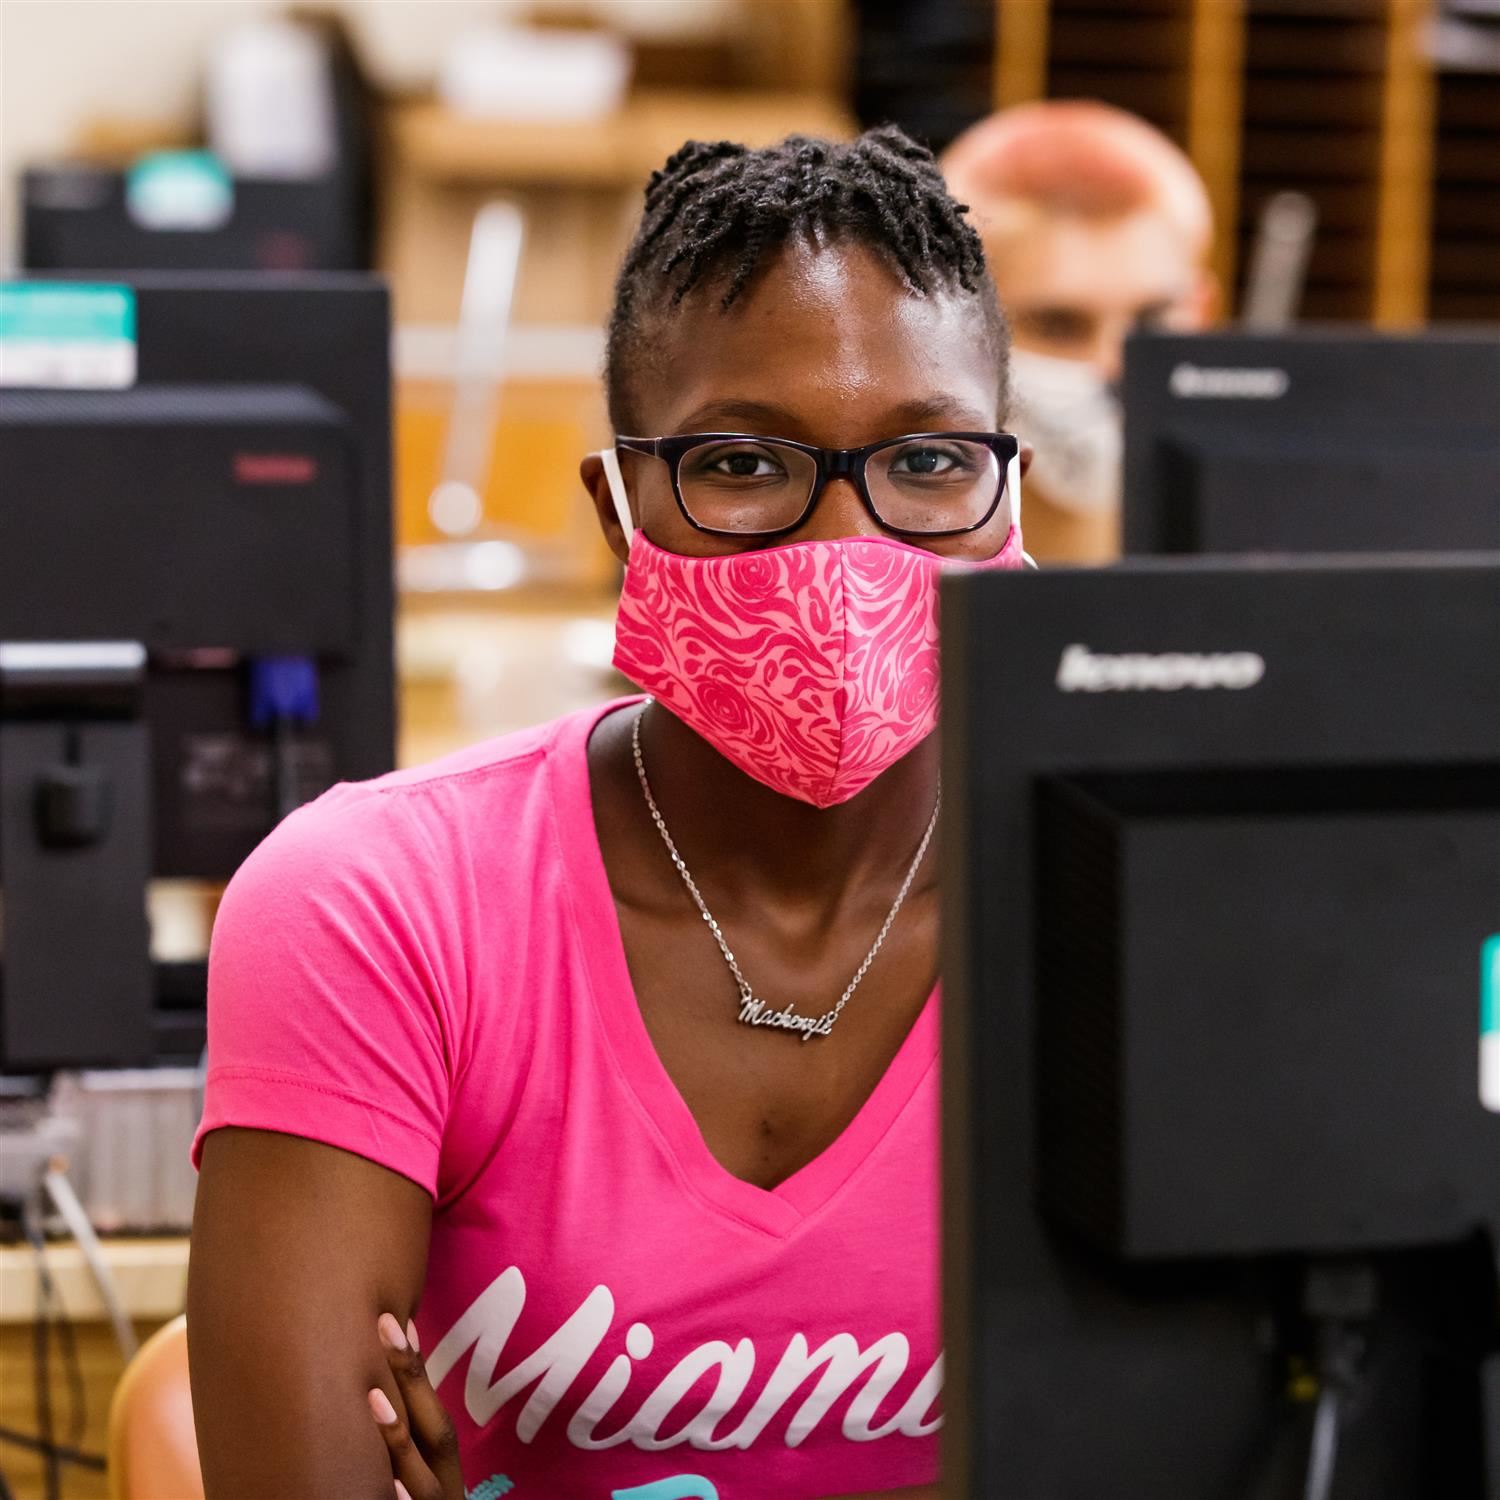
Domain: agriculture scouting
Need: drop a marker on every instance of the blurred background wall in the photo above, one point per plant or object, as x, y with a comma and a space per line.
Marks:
66, 63
1386, 111
1373, 124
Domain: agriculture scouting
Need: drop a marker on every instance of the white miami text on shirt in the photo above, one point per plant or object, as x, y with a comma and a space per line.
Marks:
484, 1330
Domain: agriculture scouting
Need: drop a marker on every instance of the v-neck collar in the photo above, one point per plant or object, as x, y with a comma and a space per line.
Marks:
777, 1211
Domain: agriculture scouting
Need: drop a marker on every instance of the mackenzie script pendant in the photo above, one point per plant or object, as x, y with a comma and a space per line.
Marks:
755, 1012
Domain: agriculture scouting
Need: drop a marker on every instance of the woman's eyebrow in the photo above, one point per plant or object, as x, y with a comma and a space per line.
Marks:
938, 412
720, 414
928, 414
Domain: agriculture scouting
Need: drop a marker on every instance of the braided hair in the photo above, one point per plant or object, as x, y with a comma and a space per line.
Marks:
716, 210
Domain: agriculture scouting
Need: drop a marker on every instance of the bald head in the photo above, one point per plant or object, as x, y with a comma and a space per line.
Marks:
1078, 157
1092, 222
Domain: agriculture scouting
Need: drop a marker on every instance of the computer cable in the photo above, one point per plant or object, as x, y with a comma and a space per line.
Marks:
65, 1198
1339, 1299
1489, 1387
66, 1452
49, 1306
41, 1354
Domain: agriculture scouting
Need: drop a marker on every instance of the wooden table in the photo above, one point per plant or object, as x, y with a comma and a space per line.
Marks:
152, 1277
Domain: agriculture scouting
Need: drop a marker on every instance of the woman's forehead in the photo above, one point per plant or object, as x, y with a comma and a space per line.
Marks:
833, 337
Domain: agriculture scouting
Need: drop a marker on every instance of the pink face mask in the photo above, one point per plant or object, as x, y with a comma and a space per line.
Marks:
812, 667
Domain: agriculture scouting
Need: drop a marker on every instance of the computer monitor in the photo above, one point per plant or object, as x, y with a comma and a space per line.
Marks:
1221, 953
195, 618
1313, 441
79, 218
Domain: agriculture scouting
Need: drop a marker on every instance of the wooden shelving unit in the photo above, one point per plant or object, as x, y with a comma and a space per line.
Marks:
1020, 51
1337, 99
1314, 94
1464, 269
578, 183
1135, 56
1215, 107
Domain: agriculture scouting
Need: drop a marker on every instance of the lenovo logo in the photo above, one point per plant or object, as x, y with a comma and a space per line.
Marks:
1194, 381
1082, 671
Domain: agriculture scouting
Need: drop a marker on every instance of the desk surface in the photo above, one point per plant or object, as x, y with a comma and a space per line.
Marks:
151, 1275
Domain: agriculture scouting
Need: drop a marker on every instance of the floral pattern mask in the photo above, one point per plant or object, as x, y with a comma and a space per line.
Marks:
813, 667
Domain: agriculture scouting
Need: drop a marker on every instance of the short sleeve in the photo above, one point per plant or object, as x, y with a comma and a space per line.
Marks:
330, 988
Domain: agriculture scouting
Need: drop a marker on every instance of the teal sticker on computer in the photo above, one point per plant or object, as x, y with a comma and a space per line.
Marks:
67, 334
179, 191
1489, 1024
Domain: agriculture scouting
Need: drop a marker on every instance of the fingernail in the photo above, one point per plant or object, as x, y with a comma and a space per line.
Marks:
380, 1406
411, 1334
390, 1332
402, 1493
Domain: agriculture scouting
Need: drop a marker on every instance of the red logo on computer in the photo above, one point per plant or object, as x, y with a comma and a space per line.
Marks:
275, 468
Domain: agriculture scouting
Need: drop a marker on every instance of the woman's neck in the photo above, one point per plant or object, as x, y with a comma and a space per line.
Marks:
758, 841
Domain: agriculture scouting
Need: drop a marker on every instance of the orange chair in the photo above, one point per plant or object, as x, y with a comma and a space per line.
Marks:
153, 1453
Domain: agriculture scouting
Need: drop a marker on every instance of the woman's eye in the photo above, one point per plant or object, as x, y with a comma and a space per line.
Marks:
924, 461
743, 464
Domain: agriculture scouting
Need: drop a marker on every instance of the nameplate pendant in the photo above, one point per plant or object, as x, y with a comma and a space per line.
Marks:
755, 1012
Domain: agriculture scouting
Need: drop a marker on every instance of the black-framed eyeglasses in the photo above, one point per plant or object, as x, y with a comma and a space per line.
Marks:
922, 484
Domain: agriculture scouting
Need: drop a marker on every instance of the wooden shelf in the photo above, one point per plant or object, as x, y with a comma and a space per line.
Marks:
1336, 99
618, 150
1136, 57
1464, 282
578, 184
1317, 131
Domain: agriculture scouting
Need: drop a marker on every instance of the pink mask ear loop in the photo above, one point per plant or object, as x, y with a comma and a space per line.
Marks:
1013, 493
611, 461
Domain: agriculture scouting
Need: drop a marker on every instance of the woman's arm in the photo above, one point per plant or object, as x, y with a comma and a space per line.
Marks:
297, 1249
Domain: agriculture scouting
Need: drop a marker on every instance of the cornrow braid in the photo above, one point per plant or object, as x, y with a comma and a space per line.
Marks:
716, 210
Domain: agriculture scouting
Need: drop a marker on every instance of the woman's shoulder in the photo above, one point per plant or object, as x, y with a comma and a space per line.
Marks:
505, 765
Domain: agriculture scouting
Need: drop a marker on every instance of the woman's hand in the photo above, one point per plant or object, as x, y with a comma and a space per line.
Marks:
419, 1438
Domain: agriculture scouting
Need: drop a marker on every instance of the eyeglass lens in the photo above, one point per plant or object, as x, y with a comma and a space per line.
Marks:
924, 485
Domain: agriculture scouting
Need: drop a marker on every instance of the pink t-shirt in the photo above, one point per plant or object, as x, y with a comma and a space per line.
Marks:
427, 970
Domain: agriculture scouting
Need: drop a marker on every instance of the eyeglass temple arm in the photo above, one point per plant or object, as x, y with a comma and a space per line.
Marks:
1013, 493
610, 459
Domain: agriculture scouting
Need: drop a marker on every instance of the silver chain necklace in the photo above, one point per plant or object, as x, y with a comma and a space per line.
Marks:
753, 1011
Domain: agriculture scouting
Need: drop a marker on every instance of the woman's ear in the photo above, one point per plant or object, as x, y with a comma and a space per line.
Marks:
596, 482
1027, 454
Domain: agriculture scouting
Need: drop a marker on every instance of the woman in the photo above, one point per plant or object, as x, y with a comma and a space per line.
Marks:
600, 1062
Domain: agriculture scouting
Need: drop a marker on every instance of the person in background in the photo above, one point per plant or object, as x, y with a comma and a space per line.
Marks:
1093, 224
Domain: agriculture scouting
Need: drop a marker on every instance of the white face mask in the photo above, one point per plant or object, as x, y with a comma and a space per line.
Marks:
1067, 410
